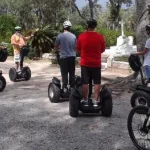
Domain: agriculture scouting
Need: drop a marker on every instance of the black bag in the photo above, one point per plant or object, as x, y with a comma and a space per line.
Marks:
134, 62
25, 50
3, 54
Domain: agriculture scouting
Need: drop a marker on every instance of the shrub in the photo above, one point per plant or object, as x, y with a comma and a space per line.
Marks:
111, 36
77, 30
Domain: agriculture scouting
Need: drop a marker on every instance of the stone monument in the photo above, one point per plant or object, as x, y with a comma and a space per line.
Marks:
124, 45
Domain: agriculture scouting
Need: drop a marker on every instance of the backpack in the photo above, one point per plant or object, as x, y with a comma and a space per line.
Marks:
134, 62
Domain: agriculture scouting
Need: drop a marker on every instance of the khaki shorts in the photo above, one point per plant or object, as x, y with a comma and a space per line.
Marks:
17, 57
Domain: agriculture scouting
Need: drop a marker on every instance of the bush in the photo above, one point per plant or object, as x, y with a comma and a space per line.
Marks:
111, 36
7, 25
77, 30
10, 50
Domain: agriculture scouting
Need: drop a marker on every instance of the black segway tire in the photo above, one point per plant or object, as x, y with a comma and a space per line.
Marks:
53, 93
2, 83
3, 55
27, 73
73, 105
107, 107
144, 110
106, 102
140, 98
13, 74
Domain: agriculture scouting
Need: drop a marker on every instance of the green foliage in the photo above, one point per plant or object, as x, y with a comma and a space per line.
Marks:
7, 24
44, 38
111, 35
77, 29
10, 50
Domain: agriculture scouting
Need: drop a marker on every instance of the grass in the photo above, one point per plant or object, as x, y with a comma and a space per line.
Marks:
124, 59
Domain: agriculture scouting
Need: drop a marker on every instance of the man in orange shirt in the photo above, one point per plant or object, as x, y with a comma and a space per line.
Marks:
90, 45
18, 41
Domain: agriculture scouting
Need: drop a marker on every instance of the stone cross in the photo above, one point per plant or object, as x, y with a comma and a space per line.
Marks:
122, 28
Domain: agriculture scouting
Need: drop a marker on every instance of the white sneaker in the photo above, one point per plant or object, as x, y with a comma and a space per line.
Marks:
84, 102
65, 90
95, 103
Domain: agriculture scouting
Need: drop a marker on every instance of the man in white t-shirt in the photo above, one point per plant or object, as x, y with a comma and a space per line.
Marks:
146, 53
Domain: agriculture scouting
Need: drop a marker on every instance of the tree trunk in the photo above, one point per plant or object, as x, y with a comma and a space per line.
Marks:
142, 19
91, 5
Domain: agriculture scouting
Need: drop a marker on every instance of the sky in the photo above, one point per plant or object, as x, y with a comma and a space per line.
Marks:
81, 3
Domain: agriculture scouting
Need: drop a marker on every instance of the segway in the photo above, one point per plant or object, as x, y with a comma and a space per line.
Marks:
55, 91
25, 73
142, 94
3, 57
105, 105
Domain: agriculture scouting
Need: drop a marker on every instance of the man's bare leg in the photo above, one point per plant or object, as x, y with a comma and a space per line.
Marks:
97, 88
17, 65
85, 91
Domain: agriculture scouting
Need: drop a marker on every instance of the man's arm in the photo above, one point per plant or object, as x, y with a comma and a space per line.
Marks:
57, 44
103, 45
147, 47
28, 37
56, 48
142, 52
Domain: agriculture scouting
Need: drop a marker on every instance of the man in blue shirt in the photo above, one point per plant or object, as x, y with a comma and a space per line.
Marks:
65, 44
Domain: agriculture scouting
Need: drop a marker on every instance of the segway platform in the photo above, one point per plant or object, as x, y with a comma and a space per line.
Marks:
55, 92
105, 105
23, 75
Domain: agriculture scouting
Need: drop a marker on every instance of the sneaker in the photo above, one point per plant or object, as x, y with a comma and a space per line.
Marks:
95, 103
84, 102
65, 90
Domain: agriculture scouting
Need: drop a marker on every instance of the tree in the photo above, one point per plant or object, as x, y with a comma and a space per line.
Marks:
128, 16
115, 7
142, 19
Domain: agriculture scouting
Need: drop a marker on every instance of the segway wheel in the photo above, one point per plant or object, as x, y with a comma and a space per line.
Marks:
2, 83
107, 104
53, 93
27, 73
73, 105
12, 74
140, 98
138, 127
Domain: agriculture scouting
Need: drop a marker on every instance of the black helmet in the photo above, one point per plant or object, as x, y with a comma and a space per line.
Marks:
92, 23
148, 27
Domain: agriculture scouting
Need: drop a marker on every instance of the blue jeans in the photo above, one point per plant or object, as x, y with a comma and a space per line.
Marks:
147, 71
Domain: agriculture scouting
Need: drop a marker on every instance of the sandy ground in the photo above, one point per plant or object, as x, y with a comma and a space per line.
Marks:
29, 121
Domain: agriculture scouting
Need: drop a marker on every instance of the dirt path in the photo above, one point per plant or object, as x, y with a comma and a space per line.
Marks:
30, 122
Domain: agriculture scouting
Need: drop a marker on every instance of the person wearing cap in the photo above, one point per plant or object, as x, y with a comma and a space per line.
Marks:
65, 44
17, 42
90, 45
146, 53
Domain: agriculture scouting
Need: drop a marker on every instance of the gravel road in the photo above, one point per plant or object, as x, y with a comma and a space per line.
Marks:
28, 121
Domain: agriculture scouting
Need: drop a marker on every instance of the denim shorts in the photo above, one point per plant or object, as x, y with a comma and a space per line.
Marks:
147, 71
